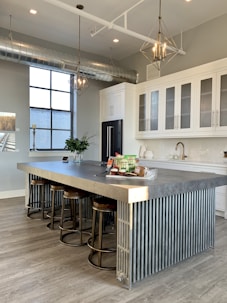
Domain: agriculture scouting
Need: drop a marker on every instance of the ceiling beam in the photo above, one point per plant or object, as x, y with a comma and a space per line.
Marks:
108, 24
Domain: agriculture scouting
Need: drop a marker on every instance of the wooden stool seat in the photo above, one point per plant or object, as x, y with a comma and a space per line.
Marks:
105, 204
39, 182
99, 247
74, 194
74, 224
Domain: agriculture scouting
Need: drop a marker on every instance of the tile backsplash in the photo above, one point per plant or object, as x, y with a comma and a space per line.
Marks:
198, 149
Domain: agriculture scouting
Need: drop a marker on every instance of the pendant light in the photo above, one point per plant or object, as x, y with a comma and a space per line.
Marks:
164, 46
81, 80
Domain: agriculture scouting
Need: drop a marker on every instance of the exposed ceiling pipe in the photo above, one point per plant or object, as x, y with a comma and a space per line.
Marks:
108, 24
20, 52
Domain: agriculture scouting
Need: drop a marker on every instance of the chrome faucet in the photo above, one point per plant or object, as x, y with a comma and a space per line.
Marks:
183, 156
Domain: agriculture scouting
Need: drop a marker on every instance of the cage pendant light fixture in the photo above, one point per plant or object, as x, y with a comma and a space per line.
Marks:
159, 49
164, 48
81, 80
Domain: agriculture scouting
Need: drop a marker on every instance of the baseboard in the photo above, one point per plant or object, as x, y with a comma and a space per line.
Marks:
12, 193
220, 213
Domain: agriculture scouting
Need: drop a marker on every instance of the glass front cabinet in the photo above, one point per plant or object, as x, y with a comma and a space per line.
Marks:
165, 111
192, 103
205, 119
148, 112
178, 108
212, 94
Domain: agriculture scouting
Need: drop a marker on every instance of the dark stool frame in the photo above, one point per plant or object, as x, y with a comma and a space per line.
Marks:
75, 198
101, 206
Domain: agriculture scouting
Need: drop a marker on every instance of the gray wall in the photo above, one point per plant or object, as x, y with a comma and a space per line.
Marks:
88, 117
14, 97
203, 44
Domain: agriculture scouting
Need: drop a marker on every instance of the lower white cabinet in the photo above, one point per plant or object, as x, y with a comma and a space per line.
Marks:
221, 169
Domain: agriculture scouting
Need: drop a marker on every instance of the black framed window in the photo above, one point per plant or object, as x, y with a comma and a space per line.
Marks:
51, 108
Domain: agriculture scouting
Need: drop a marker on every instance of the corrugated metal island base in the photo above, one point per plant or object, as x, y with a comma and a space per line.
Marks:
159, 222
154, 234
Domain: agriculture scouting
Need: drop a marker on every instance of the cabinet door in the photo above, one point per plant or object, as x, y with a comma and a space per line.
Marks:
185, 105
223, 101
206, 103
148, 113
112, 104
142, 112
178, 107
220, 113
170, 108
154, 107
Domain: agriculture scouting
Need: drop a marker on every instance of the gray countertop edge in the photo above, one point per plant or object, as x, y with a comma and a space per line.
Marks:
89, 176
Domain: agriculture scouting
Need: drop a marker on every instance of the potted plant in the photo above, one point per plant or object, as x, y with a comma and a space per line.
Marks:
77, 146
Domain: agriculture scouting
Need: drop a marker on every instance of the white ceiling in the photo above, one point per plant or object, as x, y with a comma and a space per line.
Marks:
60, 26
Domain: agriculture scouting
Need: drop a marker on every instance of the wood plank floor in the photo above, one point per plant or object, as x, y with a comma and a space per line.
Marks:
36, 268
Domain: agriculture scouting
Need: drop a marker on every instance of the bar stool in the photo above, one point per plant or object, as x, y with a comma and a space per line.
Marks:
73, 223
57, 190
36, 201
102, 206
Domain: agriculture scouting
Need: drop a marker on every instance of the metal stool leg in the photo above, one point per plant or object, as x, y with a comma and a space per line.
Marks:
100, 248
76, 198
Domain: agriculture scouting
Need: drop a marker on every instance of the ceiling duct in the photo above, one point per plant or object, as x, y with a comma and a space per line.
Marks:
23, 53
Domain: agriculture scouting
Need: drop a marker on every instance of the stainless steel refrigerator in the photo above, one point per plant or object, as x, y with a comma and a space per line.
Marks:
111, 138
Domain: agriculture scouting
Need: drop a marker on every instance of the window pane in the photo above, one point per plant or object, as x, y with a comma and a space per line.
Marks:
39, 98
61, 81
42, 139
39, 77
50, 108
40, 117
60, 100
61, 120
58, 139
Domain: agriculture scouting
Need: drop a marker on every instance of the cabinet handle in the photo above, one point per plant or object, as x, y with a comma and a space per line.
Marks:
108, 141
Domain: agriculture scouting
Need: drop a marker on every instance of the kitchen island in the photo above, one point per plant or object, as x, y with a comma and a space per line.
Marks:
159, 222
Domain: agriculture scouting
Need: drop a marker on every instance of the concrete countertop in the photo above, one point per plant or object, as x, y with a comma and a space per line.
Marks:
91, 176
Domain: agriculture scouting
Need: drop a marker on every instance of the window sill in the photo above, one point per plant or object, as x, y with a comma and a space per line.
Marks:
48, 153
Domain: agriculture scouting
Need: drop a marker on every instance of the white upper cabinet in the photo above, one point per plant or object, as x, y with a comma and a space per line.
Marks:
205, 114
164, 110
112, 103
148, 112
212, 95
191, 103
178, 106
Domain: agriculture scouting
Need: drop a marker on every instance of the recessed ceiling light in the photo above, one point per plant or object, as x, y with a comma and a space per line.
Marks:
33, 11
188, 0
115, 40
